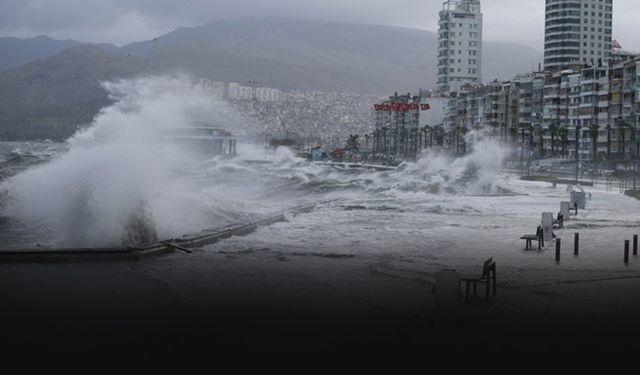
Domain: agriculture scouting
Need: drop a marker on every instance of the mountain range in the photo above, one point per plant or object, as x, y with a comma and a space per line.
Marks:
48, 87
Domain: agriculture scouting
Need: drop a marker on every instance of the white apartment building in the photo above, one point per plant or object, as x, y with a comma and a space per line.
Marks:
459, 45
236, 91
577, 32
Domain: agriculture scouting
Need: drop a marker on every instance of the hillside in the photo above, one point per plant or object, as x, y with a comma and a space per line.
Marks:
50, 97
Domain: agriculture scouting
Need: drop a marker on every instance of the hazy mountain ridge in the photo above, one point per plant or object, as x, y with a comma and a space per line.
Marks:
51, 96
365, 58
15, 52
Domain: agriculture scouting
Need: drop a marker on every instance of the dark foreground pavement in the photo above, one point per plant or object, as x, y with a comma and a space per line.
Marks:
256, 306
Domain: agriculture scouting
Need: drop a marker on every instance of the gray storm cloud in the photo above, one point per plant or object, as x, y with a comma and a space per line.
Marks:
72, 14
125, 21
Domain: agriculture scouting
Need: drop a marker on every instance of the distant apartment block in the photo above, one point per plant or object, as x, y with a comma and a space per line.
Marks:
459, 45
236, 91
407, 124
577, 32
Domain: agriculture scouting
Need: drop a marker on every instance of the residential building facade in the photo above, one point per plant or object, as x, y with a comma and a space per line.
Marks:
577, 32
587, 113
459, 45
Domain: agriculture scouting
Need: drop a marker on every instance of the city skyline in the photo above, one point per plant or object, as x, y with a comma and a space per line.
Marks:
121, 22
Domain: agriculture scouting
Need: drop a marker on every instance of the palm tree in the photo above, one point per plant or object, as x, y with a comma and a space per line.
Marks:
624, 141
461, 131
608, 142
439, 134
553, 131
352, 143
384, 139
564, 140
593, 132
622, 127
424, 132
429, 129
404, 142
453, 137
373, 140
366, 143
578, 128
540, 132
417, 140
513, 135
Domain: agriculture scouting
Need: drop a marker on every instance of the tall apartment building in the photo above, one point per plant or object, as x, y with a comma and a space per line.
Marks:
577, 32
459, 45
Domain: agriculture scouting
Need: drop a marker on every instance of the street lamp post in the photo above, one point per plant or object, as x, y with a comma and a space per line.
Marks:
635, 166
578, 128
634, 138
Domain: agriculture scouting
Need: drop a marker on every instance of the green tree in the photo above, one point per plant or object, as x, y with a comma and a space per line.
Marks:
352, 143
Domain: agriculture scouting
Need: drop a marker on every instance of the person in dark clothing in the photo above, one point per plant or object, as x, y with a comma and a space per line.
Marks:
575, 207
540, 234
560, 220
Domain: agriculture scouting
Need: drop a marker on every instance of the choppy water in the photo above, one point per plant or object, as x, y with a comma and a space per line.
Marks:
50, 196
18, 156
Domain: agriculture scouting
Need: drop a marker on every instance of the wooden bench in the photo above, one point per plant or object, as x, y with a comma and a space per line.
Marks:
488, 276
529, 238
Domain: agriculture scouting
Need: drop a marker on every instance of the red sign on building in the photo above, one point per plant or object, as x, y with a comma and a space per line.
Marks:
401, 107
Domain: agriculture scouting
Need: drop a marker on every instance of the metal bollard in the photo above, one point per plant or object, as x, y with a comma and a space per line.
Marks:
626, 251
558, 242
576, 244
635, 245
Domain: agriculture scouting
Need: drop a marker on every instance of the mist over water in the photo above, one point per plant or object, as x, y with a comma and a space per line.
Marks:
123, 180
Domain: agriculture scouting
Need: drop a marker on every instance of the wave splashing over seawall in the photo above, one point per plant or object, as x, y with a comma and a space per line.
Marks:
472, 174
121, 181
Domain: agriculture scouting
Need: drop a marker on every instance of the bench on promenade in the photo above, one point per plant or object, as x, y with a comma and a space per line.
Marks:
529, 238
488, 276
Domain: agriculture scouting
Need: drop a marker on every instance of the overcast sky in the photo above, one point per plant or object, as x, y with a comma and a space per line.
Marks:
125, 21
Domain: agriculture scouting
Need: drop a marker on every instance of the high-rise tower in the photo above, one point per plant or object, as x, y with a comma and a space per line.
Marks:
577, 32
459, 45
